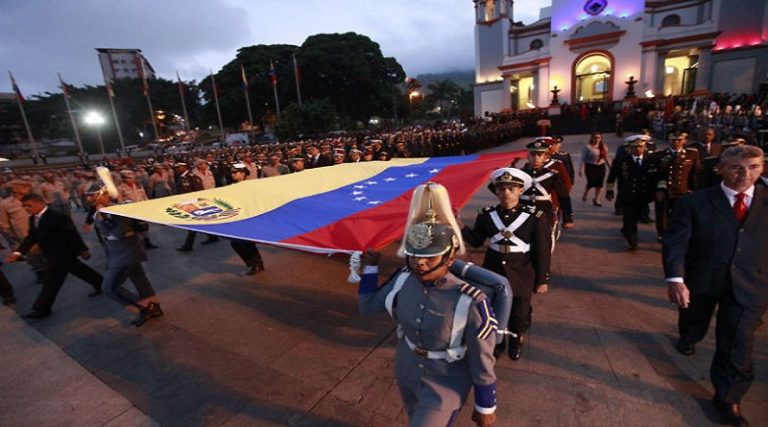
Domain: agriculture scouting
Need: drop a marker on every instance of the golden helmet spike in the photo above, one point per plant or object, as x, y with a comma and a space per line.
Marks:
431, 204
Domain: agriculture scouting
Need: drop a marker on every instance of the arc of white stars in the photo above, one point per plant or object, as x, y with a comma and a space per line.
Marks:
375, 202
412, 175
357, 193
361, 198
360, 187
390, 179
434, 170
371, 182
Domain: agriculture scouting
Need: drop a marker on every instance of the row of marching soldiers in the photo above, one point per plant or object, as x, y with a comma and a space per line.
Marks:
453, 317
644, 174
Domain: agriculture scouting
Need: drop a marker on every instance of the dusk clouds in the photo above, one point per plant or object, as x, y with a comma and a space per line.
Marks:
39, 38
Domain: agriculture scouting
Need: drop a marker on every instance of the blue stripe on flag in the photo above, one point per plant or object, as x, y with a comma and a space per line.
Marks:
309, 213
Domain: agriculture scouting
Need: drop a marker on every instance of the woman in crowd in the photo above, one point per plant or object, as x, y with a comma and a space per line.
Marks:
594, 159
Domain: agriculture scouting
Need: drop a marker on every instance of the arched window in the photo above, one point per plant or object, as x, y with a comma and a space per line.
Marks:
592, 77
670, 21
537, 44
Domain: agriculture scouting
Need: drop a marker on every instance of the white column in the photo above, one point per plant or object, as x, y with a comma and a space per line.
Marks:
506, 95
648, 71
543, 94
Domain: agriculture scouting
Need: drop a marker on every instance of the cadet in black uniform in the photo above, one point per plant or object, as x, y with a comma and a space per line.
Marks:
246, 249
544, 182
635, 173
187, 182
519, 247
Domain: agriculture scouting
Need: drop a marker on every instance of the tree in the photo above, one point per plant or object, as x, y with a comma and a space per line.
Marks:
350, 71
313, 117
443, 93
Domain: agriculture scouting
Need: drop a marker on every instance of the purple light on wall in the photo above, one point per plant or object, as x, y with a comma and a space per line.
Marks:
566, 13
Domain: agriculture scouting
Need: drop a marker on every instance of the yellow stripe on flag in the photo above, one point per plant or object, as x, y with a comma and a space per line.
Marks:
251, 198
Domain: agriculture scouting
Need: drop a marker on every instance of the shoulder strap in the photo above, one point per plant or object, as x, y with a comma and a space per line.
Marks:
460, 316
390, 300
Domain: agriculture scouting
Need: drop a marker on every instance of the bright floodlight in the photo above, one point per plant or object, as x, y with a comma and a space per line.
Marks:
93, 118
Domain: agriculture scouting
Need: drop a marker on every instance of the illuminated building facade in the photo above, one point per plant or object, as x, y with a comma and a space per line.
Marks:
589, 49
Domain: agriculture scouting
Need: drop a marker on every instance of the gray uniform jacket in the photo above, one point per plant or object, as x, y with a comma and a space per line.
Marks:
123, 245
434, 390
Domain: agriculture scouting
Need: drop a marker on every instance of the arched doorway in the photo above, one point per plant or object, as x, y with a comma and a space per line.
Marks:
592, 77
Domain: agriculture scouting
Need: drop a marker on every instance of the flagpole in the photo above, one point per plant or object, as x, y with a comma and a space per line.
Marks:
247, 98
273, 73
69, 111
218, 109
110, 96
296, 76
183, 102
145, 88
32, 142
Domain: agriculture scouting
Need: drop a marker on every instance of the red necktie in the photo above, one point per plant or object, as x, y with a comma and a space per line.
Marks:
740, 208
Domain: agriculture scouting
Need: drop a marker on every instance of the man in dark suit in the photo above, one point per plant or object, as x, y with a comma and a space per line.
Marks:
714, 255
61, 244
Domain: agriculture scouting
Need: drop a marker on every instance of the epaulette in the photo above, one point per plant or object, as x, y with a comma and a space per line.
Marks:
530, 209
476, 293
487, 209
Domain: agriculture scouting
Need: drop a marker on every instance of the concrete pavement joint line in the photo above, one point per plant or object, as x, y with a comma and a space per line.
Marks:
349, 371
605, 354
130, 408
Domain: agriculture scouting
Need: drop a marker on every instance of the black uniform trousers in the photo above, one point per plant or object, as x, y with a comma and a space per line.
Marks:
54, 276
521, 314
633, 211
248, 252
731, 371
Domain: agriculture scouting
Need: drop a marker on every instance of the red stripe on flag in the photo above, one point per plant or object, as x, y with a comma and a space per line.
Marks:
383, 224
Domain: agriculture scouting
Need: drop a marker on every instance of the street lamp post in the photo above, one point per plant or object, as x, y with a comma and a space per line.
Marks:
96, 120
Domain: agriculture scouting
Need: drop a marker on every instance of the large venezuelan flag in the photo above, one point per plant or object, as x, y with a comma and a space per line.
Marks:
343, 208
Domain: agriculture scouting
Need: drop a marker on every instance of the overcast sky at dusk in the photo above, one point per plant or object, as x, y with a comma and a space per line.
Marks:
39, 38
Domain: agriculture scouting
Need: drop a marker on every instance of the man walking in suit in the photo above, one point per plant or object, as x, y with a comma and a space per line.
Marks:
714, 255
61, 244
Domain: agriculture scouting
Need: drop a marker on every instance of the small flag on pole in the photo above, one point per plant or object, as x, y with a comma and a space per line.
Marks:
181, 84
245, 79
296, 71
16, 89
272, 73
110, 91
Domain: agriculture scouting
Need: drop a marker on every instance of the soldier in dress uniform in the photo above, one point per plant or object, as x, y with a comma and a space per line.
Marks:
246, 249
519, 247
445, 325
547, 186
677, 171
635, 173
124, 250
557, 162
709, 154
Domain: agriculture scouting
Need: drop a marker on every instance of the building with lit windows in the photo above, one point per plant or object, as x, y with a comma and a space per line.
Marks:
123, 64
590, 49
